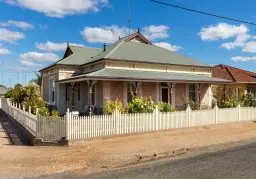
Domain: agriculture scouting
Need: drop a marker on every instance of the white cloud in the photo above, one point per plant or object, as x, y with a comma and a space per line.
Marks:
1, 45
35, 58
60, 8
243, 59
250, 47
239, 42
222, 31
106, 34
51, 46
10, 36
20, 24
155, 32
4, 51
110, 34
173, 48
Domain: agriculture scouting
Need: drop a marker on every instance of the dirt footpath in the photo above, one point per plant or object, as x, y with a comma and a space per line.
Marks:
22, 161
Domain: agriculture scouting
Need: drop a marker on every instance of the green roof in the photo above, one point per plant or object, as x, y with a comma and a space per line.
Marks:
141, 52
80, 55
126, 50
107, 73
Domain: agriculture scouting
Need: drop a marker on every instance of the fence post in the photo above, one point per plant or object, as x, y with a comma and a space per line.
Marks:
189, 115
216, 109
116, 117
24, 120
157, 117
37, 123
67, 116
239, 112
29, 110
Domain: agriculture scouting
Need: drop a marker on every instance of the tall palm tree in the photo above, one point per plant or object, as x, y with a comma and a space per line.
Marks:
38, 79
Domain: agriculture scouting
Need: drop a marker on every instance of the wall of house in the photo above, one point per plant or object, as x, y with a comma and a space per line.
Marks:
61, 98
158, 68
205, 95
149, 89
93, 67
99, 94
67, 72
180, 94
117, 90
45, 88
233, 87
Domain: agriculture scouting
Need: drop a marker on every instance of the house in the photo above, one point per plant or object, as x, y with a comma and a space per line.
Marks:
85, 77
3, 90
243, 82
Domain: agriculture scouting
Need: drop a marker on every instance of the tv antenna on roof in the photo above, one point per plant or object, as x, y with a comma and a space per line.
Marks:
129, 16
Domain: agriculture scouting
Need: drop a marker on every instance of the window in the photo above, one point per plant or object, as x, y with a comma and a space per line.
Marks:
251, 91
53, 89
130, 92
192, 92
238, 93
78, 91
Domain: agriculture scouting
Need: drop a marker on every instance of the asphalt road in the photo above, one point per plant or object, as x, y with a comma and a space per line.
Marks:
236, 163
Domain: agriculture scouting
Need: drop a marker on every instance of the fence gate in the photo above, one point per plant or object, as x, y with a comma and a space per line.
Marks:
51, 129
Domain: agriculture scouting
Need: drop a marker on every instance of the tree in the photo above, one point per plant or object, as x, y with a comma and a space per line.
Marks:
18, 85
38, 79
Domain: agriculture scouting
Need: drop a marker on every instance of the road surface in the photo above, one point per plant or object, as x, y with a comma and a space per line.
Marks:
236, 163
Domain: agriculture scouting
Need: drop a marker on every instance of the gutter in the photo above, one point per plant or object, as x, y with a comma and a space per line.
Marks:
137, 79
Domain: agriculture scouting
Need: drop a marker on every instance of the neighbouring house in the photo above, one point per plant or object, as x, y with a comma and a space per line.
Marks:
3, 90
242, 82
85, 77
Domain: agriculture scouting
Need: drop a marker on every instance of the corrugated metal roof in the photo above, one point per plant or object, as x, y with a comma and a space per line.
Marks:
107, 73
80, 55
141, 52
124, 49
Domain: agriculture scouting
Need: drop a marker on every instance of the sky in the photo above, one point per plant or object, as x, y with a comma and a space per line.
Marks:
33, 34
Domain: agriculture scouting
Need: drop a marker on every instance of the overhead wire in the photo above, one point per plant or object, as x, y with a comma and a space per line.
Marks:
201, 12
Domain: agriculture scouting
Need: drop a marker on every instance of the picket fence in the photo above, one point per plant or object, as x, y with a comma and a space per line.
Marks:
80, 127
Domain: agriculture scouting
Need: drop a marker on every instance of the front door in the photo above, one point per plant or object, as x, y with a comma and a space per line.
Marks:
165, 94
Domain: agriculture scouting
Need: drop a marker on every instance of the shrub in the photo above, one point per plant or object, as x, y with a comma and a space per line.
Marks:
193, 105
55, 113
165, 107
30, 96
248, 101
111, 106
141, 105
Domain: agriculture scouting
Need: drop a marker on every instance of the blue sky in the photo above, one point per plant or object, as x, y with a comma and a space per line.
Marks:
33, 34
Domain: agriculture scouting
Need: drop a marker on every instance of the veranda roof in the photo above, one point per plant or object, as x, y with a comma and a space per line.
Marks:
132, 75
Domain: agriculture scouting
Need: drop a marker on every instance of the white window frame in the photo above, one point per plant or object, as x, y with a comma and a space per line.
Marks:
95, 95
51, 80
196, 86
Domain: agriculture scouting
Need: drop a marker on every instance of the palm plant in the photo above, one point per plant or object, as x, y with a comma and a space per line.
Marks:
38, 79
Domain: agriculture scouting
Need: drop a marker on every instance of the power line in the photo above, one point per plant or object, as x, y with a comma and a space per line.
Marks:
200, 12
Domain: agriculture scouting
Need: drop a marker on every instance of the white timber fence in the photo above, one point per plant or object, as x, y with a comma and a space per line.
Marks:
47, 128
81, 127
